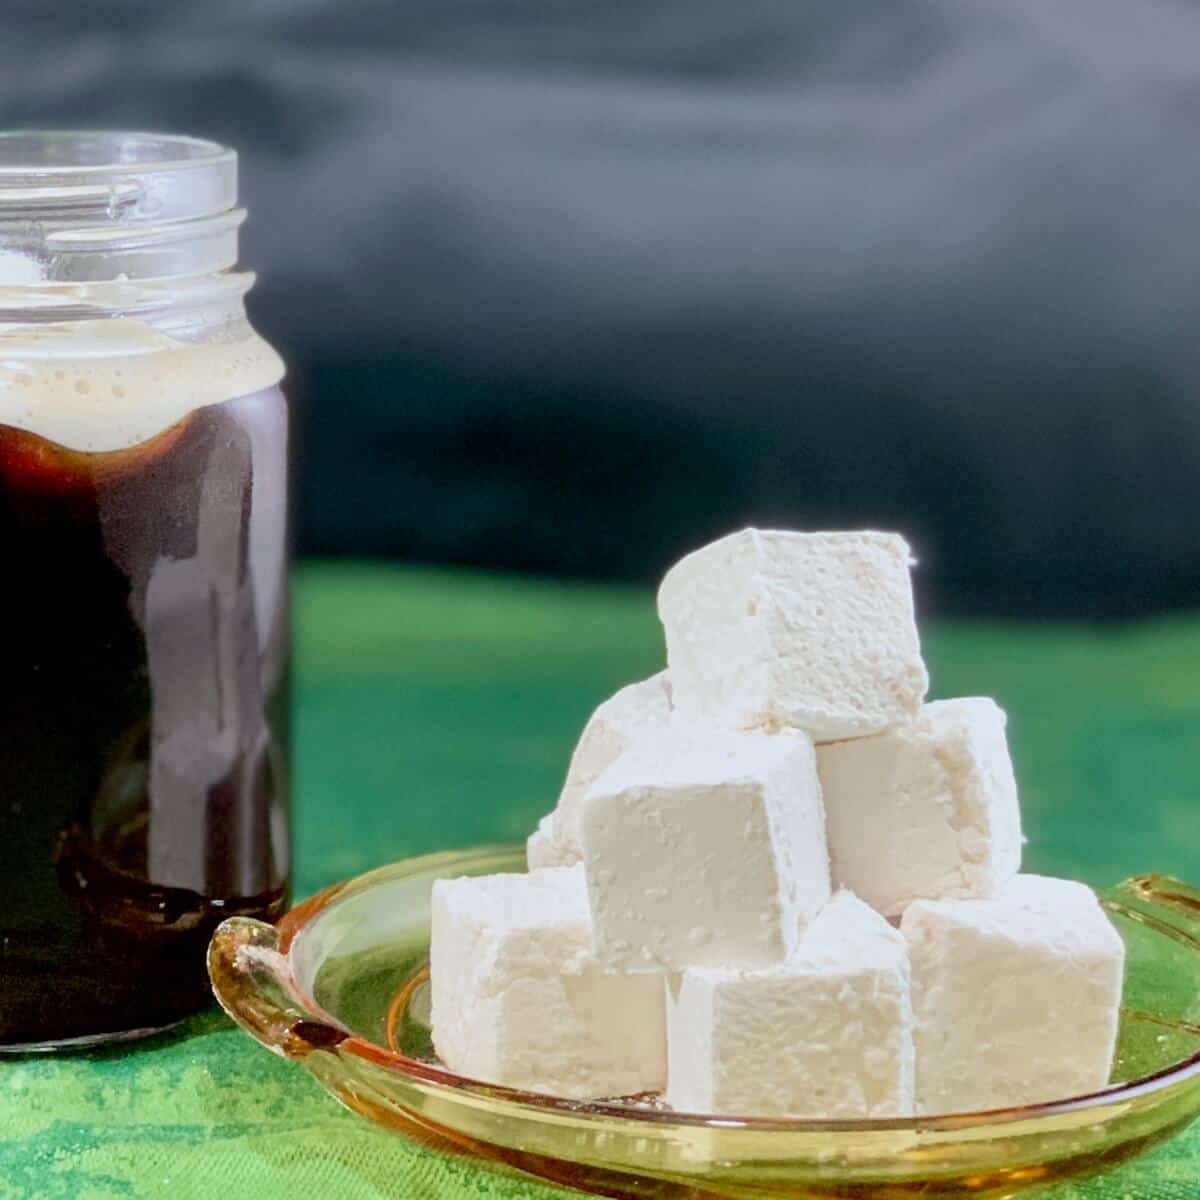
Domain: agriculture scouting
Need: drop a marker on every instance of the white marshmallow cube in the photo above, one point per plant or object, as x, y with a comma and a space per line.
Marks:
705, 851
926, 810
515, 1002
638, 711
829, 1034
542, 849
1017, 998
813, 631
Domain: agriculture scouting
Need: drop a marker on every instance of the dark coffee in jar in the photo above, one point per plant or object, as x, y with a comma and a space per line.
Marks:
143, 692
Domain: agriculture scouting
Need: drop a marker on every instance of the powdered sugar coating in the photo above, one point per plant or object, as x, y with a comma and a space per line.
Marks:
637, 712
926, 810
515, 1002
815, 631
1017, 998
705, 848
828, 1034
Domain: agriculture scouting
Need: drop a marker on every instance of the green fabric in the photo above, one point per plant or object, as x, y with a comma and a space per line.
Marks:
436, 710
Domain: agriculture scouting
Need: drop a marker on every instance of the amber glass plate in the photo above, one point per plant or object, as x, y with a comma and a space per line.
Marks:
340, 987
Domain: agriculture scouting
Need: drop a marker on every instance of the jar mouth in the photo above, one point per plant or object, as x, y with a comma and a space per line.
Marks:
34, 152
94, 206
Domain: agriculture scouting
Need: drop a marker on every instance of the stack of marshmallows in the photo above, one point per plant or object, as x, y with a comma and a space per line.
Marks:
779, 883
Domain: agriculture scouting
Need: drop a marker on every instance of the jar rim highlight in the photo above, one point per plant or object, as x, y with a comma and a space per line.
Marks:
92, 207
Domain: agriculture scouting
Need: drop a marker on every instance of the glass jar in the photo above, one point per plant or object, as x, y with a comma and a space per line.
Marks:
143, 585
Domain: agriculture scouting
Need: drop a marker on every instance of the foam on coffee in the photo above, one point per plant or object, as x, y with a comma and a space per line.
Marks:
104, 385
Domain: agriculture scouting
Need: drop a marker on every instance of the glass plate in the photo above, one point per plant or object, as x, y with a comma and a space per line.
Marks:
339, 987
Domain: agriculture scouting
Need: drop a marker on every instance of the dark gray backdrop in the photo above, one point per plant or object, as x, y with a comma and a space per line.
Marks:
570, 286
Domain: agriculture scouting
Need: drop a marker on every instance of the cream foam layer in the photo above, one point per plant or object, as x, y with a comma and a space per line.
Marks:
107, 385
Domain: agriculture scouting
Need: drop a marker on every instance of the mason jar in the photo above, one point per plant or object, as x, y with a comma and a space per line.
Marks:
143, 584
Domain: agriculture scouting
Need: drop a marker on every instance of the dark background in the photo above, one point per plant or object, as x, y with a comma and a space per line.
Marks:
571, 286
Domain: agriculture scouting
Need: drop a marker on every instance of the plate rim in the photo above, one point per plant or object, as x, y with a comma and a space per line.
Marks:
294, 922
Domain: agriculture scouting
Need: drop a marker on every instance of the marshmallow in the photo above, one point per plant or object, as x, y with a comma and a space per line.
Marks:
1016, 998
924, 811
636, 712
542, 849
813, 631
515, 1003
829, 1034
705, 851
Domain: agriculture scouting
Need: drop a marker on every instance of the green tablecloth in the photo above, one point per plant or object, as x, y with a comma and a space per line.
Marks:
436, 710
